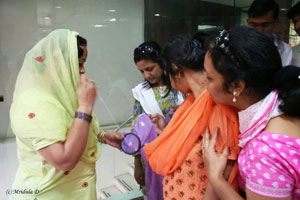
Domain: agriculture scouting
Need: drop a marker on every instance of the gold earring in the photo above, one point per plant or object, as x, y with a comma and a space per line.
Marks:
234, 97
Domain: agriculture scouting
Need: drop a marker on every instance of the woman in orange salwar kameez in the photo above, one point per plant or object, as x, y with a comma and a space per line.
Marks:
176, 153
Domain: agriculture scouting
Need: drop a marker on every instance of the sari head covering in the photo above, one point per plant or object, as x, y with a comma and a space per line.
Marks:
45, 96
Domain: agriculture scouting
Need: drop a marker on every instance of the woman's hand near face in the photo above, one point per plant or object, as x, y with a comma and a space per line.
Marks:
86, 94
158, 122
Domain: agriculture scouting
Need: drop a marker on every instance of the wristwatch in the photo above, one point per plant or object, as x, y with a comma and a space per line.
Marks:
84, 116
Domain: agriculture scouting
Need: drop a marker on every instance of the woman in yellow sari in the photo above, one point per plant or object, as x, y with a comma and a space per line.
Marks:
51, 116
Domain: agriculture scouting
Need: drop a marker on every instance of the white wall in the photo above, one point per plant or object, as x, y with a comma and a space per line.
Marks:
110, 60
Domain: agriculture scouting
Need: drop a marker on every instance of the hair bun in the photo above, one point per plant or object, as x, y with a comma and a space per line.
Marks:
287, 82
196, 44
286, 75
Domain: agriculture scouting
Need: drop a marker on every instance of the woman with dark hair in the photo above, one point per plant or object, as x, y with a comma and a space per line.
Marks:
176, 153
244, 70
52, 117
153, 96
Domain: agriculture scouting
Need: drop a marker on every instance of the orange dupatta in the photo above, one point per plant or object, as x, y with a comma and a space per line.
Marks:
166, 153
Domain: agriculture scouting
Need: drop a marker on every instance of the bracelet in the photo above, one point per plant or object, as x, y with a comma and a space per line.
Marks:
84, 116
101, 136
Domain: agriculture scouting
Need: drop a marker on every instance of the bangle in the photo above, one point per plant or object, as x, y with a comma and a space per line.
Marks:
84, 116
101, 136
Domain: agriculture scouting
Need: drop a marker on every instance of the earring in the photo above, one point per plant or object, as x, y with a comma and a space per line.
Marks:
234, 98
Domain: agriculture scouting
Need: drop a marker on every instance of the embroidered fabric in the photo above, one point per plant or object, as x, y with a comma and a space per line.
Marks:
146, 97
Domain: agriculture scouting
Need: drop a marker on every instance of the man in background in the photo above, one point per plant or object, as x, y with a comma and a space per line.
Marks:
263, 16
294, 14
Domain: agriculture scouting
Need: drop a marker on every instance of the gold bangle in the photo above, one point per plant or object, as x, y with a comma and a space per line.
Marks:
101, 136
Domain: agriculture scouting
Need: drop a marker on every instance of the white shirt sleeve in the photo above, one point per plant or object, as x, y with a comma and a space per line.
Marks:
286, 54
296, 55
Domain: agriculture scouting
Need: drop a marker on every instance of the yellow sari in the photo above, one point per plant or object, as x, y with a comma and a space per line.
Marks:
42, 112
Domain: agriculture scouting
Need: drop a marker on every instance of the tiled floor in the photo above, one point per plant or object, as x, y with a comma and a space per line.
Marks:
111, 163
8, 166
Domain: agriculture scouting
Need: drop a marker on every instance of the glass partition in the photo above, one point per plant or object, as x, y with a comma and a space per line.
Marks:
113, 29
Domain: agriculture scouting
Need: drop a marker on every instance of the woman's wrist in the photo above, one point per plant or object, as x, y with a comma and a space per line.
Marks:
216, 180
85, 109
101, 136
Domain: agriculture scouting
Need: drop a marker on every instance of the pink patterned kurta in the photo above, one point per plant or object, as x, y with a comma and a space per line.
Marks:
269, 165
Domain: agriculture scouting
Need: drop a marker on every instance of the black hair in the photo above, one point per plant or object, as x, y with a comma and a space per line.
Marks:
184, 52
260, 8
80, 42
287, 81
206, 37
151, 50
201, 37
294, 10
249, 55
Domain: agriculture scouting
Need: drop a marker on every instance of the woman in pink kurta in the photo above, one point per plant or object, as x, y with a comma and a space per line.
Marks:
244, 70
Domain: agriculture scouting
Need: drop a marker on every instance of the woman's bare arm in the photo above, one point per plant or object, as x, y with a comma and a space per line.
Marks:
65, 155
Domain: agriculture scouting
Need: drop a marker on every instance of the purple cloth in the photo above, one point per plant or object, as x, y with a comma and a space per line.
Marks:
169, 115
131, 143
147, 133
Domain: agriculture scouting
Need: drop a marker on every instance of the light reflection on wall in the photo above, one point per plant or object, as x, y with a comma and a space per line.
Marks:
113, 29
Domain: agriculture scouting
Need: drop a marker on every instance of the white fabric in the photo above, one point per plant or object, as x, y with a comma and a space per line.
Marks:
146, 97
285, 51
296, 55
255, 118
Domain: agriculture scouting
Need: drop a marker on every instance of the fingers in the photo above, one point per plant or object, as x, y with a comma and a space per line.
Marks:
206, 134
137, 179
91, 81
141, 180
205, 139
85, 79
212, 142
152, 117
174, 108
209, 143
113, 139
119, 136
155, 118
225, 152
158, 116
86, 93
